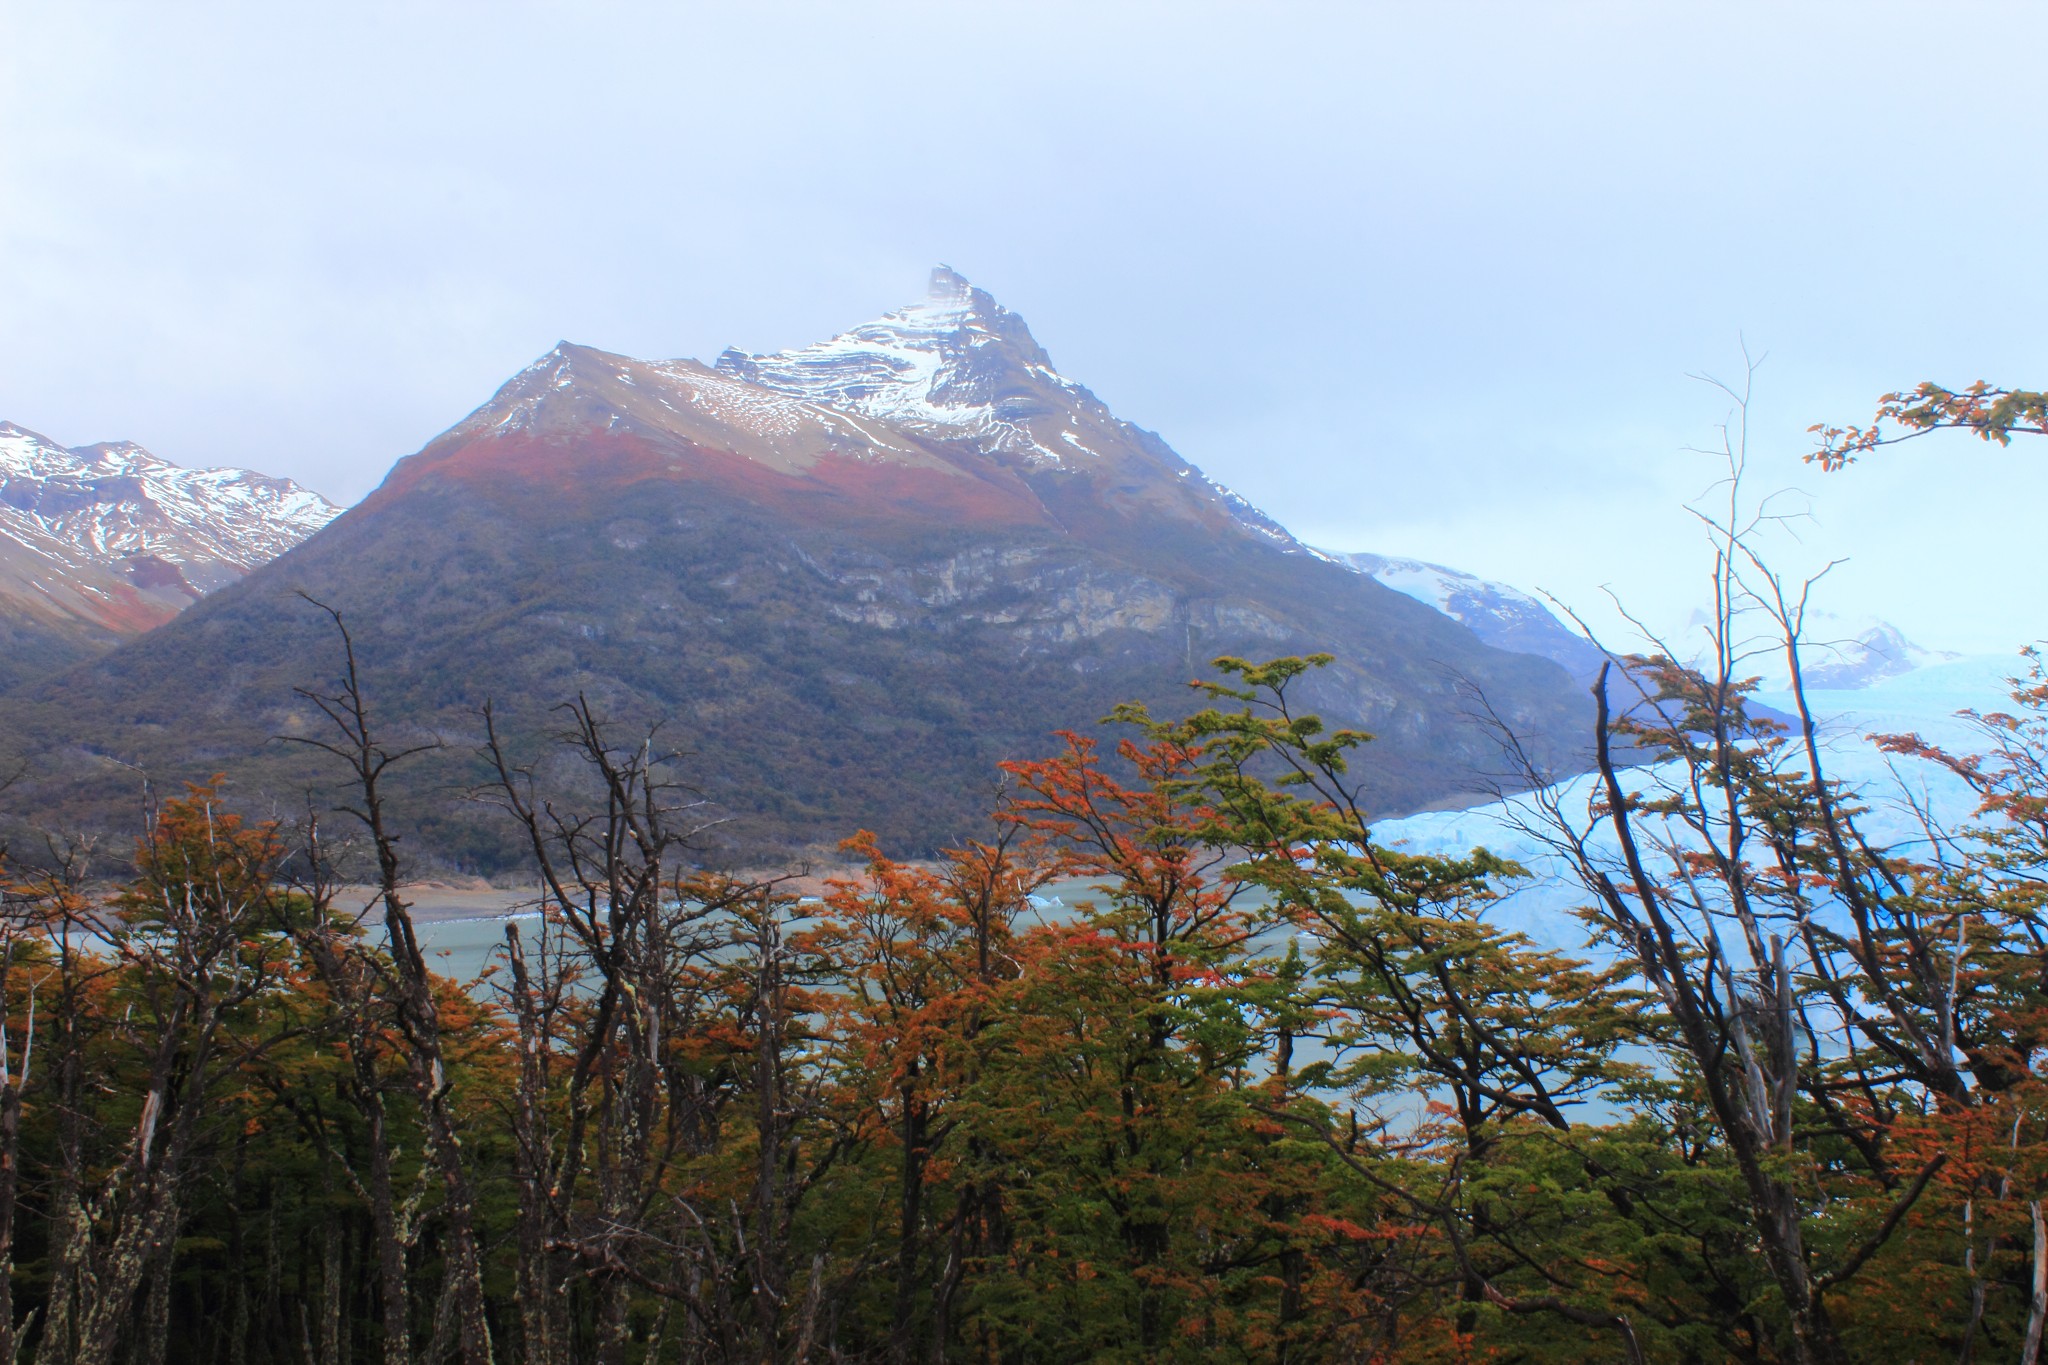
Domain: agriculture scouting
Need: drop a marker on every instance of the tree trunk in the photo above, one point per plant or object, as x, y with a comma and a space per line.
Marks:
2030, 1350
69, 1227
143, 1242
910, 1216
539, 1319
394, 1298
236, 1329
68, 1233
330, 1289
768, 1272
156, 1312
956, 1269
10, 1132
612, 1325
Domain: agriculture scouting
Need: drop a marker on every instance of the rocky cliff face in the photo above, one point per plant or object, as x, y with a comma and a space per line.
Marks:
851, 577
98, 543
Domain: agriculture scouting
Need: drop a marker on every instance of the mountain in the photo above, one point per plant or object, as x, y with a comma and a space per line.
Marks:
853, 577
1504, 617
1837, 653
1847, 654
960, 366
99, 543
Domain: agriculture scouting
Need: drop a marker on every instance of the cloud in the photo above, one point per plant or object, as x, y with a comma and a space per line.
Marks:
1428, 276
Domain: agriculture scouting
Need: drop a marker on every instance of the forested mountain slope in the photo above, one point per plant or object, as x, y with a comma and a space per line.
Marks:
851, 577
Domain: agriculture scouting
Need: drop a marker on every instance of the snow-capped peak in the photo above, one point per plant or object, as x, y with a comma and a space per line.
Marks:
1453, 592
1848, 652
1503, 616
935, 384
114, 504
955, 364
959, 366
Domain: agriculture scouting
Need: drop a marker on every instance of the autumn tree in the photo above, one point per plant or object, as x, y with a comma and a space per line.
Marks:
1989, 413
923, 954
1417, 999
189, 936
1164, 1212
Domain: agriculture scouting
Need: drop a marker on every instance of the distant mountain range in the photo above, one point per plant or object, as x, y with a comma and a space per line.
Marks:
1504, 617
853, 576
1842, 654
100, 543
1838, 653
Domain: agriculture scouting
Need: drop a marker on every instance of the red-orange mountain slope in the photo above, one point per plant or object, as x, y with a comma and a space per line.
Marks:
851, 578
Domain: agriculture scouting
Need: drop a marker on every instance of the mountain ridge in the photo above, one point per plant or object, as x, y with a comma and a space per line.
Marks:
101, 542
1502, 615
853, 617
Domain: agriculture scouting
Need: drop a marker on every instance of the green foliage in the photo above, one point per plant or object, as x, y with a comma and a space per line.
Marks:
1987, 412
1275, 1092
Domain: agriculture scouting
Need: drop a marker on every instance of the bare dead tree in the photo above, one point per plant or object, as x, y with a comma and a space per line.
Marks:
360, 1015
1734, 876
58, 900
614, 987
654, 999
368, 763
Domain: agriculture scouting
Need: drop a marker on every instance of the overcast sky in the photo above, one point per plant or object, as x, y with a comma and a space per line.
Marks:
1425, 279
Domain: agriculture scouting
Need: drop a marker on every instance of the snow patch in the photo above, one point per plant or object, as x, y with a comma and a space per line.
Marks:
110, 504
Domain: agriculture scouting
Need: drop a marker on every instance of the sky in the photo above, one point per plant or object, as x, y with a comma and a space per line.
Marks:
1429, 280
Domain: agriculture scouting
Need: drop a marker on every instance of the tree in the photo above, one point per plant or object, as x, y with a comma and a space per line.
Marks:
923, 954
1157, 1201
410, 986
1415, 993
1831, 999
1993, 414
188, 934
666, 1089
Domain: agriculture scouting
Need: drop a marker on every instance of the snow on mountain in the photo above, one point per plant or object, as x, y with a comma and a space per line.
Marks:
959, 366
870, 570
1837, 653
573, 386
116, 506
1505, 617
959, 362
1450, 591
1841, 653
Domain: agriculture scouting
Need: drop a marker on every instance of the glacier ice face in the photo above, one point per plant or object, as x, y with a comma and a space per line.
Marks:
1930, 700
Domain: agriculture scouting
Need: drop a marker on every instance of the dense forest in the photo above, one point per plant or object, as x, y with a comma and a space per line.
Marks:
1278, 1092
